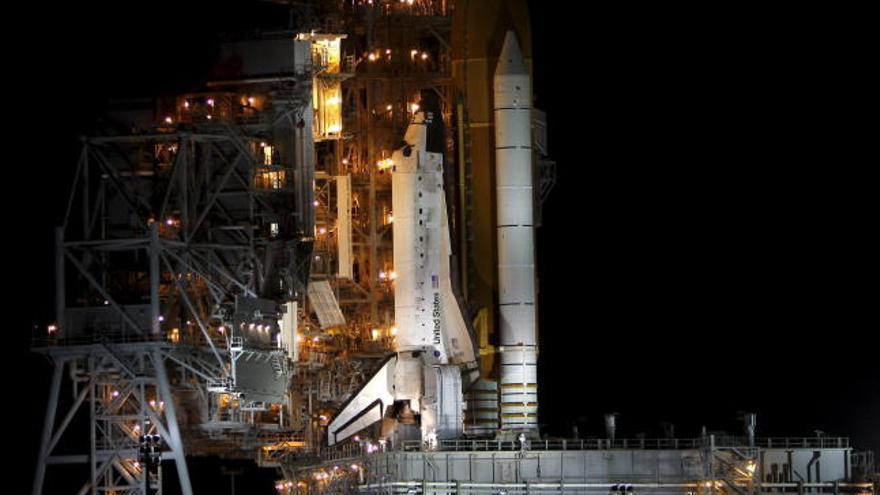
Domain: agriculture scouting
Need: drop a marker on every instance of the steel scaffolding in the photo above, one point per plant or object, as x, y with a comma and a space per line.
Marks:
180, 245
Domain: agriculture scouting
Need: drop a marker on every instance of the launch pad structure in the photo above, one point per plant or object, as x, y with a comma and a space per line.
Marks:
229, 266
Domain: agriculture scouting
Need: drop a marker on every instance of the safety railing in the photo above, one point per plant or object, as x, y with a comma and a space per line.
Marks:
551, 487
42, 339
468, 445
803, 443
97, 338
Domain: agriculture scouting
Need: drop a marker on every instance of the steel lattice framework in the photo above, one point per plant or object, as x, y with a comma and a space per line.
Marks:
127, 394
176, 241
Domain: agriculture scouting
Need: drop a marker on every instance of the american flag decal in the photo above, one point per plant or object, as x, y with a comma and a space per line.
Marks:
435, 281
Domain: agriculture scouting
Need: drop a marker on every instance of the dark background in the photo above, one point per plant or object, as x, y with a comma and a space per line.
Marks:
709, 247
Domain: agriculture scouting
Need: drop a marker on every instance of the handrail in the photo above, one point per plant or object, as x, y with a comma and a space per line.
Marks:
638, 443
357, 449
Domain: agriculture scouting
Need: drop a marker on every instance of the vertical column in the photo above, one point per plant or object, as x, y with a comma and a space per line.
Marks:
343, 227
48, 426
516, 255
374, 248
175, 441
289, 324
155, 324
60, 281
93, 428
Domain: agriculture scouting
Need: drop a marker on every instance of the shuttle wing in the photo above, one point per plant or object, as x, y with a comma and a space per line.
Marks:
366, 406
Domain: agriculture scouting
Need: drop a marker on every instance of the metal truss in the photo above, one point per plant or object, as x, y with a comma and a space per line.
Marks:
126, 391
166, 231
729, 468
213, 205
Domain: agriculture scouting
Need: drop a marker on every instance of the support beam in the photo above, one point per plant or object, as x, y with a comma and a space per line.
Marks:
60, 282
192, 309
48, 426
175, 441
97, 285
69, 416
155, 323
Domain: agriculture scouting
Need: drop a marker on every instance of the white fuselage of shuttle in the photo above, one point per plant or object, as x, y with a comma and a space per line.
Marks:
434, 346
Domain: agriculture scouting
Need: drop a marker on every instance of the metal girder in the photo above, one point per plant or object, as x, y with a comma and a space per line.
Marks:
166, 230
183, 294
102, 290
173, 430
122, 403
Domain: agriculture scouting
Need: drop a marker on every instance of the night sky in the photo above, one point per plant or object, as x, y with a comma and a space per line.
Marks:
709, 247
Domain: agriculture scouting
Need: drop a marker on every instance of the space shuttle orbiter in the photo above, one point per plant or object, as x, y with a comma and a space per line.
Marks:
419, 389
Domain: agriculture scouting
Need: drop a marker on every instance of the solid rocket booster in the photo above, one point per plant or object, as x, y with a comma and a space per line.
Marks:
516, 244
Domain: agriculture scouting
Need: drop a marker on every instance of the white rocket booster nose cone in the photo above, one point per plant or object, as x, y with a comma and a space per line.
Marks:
511, 60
